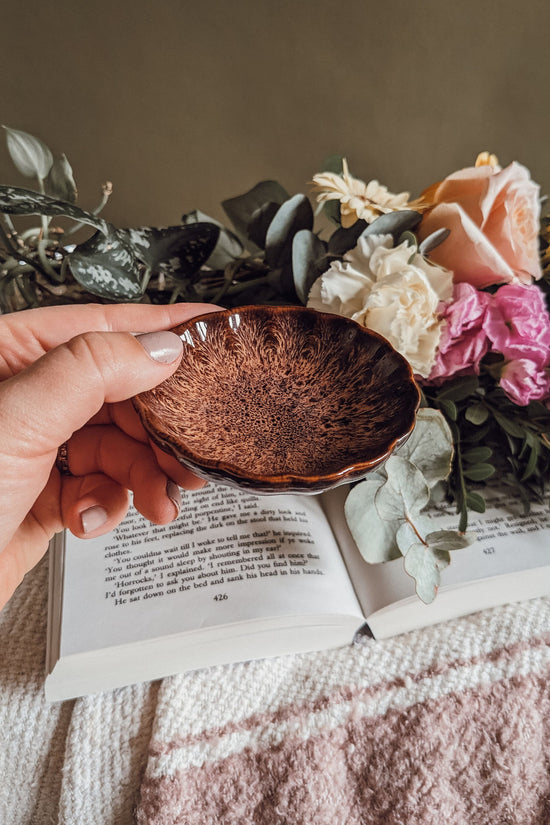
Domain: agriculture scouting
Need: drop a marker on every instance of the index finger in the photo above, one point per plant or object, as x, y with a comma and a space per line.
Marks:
26, 336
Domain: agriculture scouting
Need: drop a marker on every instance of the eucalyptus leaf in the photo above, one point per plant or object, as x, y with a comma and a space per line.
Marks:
178, 251
412, 531
438, 493
60, 182
394, 223
260, 221
424, 565
105, 265
375, 537
430, 447
342, 240
283, 281
449, 540
29, 154
16, 201
410, 239
228, 247
309, 261
293, 215
332, 211
433, 241
241, 209
333, 163
405, 492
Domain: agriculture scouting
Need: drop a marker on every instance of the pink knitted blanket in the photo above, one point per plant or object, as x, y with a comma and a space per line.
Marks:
446, 725
450, 725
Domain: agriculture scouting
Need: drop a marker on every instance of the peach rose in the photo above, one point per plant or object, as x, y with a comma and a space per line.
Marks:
493, 215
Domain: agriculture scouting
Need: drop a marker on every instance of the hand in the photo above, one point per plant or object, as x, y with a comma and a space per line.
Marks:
65, 376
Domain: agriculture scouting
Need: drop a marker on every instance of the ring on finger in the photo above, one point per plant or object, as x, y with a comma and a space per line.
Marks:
62, 460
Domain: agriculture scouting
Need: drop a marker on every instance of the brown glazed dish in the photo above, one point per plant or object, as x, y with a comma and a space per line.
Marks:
281, 400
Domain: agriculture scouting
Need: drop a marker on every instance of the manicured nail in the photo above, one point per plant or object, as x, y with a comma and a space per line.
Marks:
93, 518
163, 347
173, 493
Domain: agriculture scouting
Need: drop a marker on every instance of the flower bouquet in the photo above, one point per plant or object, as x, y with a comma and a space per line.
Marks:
456, 280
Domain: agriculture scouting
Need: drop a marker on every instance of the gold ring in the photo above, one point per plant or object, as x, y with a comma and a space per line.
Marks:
62, 460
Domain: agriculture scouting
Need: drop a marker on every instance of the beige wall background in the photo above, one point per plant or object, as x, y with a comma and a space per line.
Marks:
182, 104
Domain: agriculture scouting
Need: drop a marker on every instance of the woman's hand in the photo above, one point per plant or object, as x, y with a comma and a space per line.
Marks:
65, 376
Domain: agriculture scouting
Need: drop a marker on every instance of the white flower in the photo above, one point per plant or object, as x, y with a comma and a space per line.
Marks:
358, 199
385, 289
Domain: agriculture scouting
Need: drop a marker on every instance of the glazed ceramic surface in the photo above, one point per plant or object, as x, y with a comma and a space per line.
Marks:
281, 399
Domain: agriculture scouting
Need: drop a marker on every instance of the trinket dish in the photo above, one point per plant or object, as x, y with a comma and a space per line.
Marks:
281, 400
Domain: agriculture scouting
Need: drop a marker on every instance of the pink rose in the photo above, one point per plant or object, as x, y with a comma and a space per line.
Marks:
524, 381
493, 215
518, 325
463, 341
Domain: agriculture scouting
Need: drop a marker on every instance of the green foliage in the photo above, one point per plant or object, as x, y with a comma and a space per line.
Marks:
60, 181
469, 431
387, 515
309, 261
335, 164
38, 267
291, 217
16, 201
252, 213
433, 240
29, 154
493, 437
228, 249
271, 255
394, 223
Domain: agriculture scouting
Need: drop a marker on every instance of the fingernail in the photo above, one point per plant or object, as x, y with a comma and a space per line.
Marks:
173, 493
93, 518
163, 347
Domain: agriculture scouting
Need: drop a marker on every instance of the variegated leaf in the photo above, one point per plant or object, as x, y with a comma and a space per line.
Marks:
60, 182
105, 265
17, 201
228, 246
178, 251
29, 154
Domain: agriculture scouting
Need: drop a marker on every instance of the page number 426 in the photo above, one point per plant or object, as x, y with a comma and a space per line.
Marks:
220, 597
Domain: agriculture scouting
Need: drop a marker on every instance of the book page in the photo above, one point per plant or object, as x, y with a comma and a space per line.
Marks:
230, 557
508, 541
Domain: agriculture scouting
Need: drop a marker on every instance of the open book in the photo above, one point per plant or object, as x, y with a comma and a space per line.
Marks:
238, 577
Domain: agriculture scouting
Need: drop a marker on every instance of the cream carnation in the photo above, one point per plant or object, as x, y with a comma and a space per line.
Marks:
390, 291
359, 200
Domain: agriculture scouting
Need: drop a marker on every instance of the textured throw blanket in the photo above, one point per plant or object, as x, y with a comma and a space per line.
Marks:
449, 724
